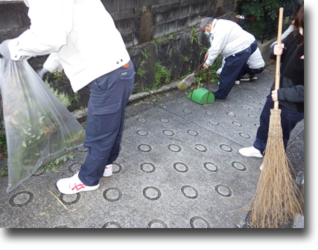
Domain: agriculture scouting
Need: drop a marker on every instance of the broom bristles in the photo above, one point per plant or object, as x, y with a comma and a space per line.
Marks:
186, 82
276, 199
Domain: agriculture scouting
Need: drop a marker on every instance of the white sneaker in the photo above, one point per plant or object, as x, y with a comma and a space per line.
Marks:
73, 185
237, 82
108, 170
250, 152
261, 167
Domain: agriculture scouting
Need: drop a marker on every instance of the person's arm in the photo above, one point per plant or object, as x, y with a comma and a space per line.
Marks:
279, 50
295, 94
51, 23
292, 94
285, 34
51, 64
219, 42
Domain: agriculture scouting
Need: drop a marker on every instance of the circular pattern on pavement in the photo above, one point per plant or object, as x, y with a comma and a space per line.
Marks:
237, 124
112, 224
252, 116
70, 199
189, 192
157, 224
21, 199
144, 148
192, 132
209, 112
200, 148
75, 167
142, 132
174, 148
116, 168
226, 148
152, 193
181, 167
244, 107
168, 133
141, 120
231, 114
245, 136
147, 167
112, 194
164, 120
239, 166
199, 222
214, 122
211, 167
39, 172
223, 190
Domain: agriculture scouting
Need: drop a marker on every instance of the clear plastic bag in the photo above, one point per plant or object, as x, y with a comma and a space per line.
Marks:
39, 128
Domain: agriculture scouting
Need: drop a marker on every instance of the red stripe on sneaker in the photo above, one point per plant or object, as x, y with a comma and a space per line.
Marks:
78, 186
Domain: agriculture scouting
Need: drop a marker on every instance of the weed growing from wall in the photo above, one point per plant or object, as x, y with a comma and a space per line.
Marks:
161, 72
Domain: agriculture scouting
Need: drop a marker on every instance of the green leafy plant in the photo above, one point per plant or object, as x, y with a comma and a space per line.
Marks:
75, 97
195, 35
203, 51
161, 72
172, 35
141, 70
58, 76
64, 98
262, 15
201, 76
4, 172
145, 54
54, 165
3, 143
185, 58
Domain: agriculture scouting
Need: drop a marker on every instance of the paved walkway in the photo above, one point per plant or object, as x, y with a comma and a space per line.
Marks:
179, 167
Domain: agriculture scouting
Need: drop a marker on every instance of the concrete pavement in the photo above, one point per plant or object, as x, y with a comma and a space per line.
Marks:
179, 167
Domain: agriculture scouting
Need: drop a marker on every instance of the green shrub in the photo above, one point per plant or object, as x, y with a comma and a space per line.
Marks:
261, 15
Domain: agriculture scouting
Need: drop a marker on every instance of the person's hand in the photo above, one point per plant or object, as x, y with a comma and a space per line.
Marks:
274, 96
206, 66
278, 49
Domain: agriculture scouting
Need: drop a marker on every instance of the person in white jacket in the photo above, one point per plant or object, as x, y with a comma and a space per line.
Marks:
254, 65
82, 38
234, 44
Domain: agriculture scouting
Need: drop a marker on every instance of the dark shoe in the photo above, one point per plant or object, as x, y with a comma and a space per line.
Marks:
247, 78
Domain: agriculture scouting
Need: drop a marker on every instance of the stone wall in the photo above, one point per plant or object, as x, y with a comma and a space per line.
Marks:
156, 33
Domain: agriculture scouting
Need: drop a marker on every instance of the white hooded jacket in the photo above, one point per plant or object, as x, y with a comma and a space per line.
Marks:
81, 33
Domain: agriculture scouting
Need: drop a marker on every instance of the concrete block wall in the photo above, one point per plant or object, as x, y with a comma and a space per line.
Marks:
162, 29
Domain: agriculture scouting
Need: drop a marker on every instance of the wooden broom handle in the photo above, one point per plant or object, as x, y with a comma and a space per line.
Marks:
277, 76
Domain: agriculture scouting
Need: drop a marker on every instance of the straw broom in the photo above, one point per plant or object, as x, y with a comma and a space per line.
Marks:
187, 82
275, 201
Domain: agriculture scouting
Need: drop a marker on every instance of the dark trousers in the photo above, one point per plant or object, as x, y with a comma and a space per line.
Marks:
289, 119
251, 72
232, 70
109, 95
